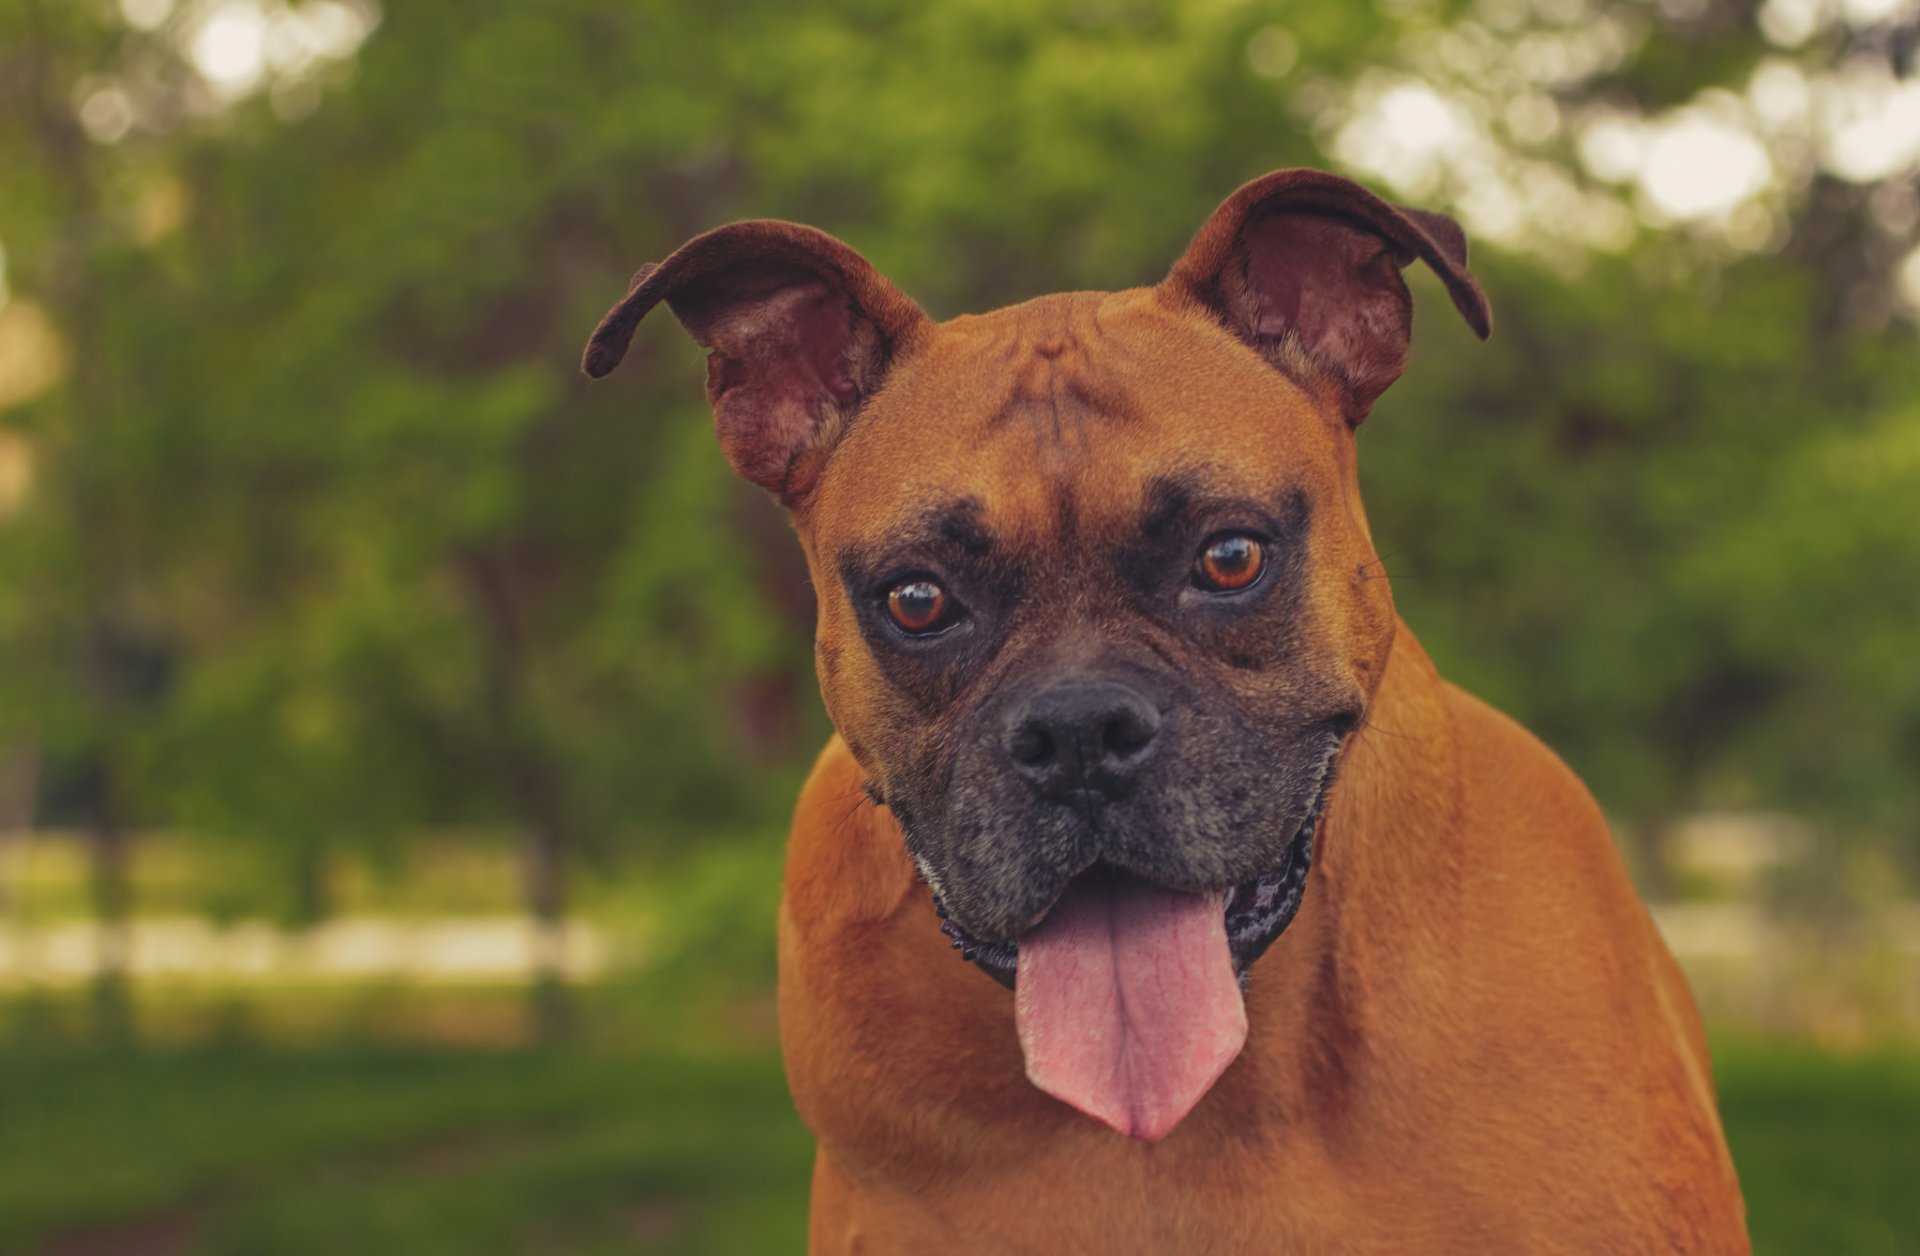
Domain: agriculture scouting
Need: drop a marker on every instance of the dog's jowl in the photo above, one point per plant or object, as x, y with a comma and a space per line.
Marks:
1269, 939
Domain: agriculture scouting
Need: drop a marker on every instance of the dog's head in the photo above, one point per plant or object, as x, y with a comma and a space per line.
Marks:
1096, 590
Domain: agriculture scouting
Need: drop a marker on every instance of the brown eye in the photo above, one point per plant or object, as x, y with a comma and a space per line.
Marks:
1230, 562
919, 606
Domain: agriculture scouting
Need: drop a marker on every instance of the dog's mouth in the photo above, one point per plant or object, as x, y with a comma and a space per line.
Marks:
1257, 911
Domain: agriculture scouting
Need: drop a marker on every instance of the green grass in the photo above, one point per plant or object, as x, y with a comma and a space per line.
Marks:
1828, 1149
424, 1152
247, 1149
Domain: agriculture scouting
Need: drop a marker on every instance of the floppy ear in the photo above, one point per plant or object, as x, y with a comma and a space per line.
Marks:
802, 329
1305, 267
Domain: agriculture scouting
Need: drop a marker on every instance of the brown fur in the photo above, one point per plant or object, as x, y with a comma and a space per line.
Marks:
1471, 1038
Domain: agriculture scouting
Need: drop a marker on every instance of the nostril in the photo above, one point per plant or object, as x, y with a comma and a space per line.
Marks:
1128, 733
1030, 746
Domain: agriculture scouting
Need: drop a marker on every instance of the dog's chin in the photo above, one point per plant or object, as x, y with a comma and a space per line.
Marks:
1257, 911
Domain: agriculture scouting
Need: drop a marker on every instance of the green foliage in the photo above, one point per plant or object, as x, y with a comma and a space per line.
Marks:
328, 541
1652, 524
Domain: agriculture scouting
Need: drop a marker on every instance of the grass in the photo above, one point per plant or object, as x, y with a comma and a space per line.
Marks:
1828, 1148
243, 1149
422, 1151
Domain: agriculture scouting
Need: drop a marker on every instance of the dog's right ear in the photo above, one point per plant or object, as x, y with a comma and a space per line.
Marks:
801, 328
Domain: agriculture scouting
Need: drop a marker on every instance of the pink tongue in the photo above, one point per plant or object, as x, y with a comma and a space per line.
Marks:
1127, 1003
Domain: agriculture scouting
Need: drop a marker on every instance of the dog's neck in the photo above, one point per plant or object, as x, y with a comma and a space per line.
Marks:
1321, 1001
1393, 818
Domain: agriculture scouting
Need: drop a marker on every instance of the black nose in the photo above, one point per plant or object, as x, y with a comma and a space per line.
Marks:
1082, 735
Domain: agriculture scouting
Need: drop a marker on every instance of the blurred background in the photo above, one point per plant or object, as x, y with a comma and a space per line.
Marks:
397, 733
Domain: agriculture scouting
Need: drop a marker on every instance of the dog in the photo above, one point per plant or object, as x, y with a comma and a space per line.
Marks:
1273, 941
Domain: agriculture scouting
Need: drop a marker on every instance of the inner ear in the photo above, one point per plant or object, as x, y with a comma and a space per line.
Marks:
788, 318
782, 369
1319, 287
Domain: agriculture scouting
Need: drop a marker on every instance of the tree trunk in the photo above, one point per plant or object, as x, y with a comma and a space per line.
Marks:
1649, 847
312, 890
543, 886
535, 786
110, 846
19, 797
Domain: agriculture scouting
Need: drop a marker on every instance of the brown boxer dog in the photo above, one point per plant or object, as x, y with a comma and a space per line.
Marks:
1308, 950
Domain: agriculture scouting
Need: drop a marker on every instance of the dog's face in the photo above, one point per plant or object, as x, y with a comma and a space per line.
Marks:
1096, 590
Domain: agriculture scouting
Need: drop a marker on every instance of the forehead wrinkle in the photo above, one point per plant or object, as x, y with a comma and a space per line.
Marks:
1097, 375
961, 384
1044, 358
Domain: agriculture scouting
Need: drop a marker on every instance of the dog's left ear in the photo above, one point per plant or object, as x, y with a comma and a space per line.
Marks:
1305, 267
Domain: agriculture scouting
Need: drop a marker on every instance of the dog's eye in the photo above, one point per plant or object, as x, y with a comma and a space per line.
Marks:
1229, 562
920, 606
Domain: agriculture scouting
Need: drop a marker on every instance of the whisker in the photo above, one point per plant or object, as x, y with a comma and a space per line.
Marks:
862, 801
1380, 560
1368, 724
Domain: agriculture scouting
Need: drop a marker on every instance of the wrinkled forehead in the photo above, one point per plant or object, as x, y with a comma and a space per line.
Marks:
1084, 413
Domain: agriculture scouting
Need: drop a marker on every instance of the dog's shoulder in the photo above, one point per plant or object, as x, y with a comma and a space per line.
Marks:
1608, 1012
